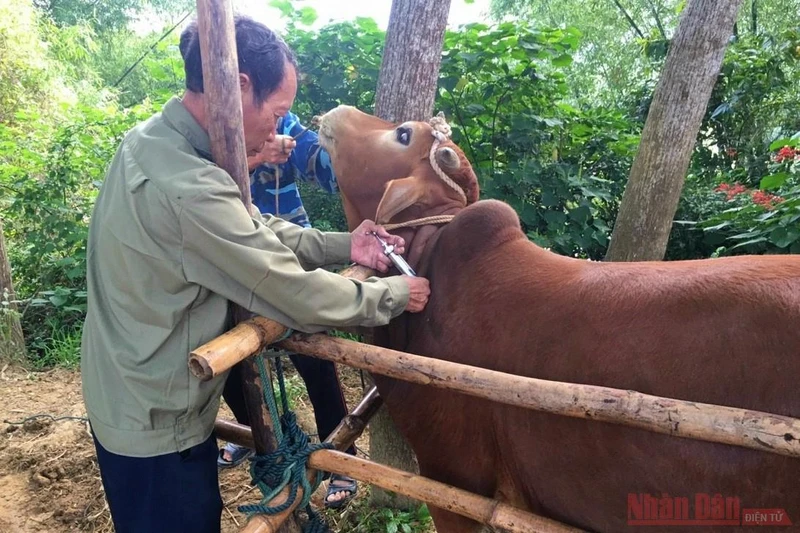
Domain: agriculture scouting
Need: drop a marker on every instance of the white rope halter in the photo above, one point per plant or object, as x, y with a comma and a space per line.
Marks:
441, 133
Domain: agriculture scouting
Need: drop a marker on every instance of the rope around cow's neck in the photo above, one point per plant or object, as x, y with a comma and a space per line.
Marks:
438, 219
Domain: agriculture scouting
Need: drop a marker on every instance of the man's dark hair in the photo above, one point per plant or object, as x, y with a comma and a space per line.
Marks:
262, 56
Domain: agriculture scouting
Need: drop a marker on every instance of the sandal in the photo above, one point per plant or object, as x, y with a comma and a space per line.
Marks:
238, 455
349, 485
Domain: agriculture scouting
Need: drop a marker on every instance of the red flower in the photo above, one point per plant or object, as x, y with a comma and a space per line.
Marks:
787, 152
731, 152
731, 191
766, 200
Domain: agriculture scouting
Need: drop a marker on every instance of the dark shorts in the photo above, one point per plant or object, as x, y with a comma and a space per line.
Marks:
173, 493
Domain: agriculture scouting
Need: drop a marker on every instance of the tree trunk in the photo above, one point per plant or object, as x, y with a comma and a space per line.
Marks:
12, 341
651, 197
406, 91
410, 68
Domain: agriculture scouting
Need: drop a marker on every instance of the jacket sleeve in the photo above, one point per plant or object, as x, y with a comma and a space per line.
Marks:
232, 254
313, 247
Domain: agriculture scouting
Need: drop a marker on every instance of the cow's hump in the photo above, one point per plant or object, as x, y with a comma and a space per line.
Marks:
479, 228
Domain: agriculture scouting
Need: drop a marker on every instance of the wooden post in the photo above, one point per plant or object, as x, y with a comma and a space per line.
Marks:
223, 101
727, 425
247, 338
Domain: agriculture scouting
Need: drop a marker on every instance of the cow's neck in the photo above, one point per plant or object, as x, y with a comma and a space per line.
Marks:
418, 238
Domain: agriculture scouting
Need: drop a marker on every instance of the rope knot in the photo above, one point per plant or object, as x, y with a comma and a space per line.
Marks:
286, 466
441, 132
441, 129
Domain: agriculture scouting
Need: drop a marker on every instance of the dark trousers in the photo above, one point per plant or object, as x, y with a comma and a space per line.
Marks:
324, 391
172, 493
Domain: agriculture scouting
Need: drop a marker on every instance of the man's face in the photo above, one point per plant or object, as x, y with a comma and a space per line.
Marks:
260, 122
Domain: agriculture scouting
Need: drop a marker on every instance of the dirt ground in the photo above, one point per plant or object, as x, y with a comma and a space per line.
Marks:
49, 480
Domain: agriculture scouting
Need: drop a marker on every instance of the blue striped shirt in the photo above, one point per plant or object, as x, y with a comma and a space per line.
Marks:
308, 162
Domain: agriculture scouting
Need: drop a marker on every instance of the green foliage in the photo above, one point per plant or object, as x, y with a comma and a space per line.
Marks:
764, 220
339, 64
617, 55
28, 77
560, 167
108, 14
51, 178
158, 75
366, 518
755, 103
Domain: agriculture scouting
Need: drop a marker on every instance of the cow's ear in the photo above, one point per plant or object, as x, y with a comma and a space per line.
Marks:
398, 196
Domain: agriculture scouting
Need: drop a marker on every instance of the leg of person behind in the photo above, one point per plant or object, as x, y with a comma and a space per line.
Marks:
233, 393
172, 493
325, 393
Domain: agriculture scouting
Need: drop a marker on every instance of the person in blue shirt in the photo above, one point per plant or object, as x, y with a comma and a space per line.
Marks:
296, 160
303, 159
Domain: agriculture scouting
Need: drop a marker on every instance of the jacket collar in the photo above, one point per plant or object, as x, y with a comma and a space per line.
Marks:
184, 123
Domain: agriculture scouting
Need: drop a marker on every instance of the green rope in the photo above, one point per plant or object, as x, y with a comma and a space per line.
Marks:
286, 466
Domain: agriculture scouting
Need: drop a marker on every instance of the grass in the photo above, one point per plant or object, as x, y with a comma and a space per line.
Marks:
61, 349
363, 517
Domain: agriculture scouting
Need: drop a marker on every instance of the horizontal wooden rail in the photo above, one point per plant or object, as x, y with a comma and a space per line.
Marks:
485, 510
247, 338
727, 425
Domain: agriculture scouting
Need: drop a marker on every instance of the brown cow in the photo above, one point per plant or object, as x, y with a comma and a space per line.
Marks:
721, 331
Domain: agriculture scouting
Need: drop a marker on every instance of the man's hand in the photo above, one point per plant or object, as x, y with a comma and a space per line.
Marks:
419, 291
366, 250
275, 152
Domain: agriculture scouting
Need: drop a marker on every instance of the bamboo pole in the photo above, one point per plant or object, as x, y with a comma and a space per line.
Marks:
345, 434
727, 425
485, 510
247, 338
479, 508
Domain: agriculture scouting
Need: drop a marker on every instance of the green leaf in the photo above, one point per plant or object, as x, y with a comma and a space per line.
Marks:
774, 181
580, 214
284, 6
391, 527
564, 60
555, 218
308, 15
783, 237
780, 143
58, 300
752, 241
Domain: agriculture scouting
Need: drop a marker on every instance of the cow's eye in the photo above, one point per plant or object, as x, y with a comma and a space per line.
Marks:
404, 136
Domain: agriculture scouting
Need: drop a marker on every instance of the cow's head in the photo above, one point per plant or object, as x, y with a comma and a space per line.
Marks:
384, 170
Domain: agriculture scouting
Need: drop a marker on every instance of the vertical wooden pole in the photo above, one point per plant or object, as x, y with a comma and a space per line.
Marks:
223, 99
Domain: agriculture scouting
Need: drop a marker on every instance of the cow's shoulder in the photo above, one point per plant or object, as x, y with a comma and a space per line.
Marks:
479, 228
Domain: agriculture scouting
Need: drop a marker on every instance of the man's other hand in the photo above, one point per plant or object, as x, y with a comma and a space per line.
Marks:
419, 292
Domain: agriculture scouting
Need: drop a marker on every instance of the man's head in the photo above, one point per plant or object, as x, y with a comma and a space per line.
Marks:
267, 76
